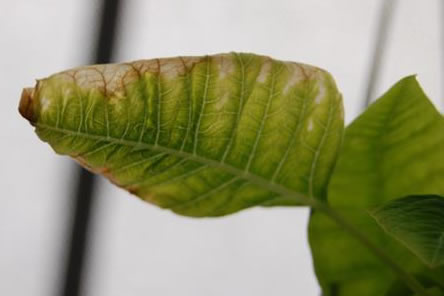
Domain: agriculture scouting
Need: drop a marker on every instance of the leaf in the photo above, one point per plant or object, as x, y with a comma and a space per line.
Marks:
393, 149
434, 291
418, 222
202, 136
400, 288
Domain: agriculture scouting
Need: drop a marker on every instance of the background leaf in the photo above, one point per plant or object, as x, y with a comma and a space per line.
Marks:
202, 136
418, 222
435, 291
393, 149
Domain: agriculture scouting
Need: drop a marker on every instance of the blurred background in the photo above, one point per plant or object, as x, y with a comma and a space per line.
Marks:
135, 248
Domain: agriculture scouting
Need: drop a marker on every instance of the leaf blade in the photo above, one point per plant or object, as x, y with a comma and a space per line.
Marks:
418, 222
159, 119
391, 150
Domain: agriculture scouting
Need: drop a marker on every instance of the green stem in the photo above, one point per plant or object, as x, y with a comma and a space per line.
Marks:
411, 281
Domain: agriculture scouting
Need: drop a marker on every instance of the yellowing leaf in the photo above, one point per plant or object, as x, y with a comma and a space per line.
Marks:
202, 136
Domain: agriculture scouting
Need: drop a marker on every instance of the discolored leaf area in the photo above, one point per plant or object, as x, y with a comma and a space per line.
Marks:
418, 222
202, 136
394, 149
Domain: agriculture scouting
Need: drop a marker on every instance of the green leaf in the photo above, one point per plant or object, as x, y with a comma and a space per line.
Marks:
393, 149
400, 288
434, 291
418, 222
202, 136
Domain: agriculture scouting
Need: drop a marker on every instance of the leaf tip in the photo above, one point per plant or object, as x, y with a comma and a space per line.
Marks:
411, 77
26, 104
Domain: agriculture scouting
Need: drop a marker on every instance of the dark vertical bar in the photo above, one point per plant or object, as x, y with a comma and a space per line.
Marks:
384, 22
84, 191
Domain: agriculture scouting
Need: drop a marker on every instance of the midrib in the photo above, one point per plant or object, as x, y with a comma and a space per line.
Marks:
258, 180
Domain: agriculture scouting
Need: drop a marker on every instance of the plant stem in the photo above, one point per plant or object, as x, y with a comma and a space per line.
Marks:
411, 281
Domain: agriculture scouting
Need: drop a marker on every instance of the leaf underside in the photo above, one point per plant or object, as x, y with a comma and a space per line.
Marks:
418, 222
202, 136
394, 149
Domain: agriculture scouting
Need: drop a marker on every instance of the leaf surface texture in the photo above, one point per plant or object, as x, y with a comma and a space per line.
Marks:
418, 222
202, 136
394, 149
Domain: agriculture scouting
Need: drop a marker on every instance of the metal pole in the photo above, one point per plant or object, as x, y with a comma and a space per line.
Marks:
384, 22
85, 187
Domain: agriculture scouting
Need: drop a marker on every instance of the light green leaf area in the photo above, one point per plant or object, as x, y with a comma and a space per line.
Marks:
394, 149
202, 136
418, 222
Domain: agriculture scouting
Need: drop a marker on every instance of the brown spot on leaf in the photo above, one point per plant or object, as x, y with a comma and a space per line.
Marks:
26, 107
132, 190
149, 197
85, 165
107, 173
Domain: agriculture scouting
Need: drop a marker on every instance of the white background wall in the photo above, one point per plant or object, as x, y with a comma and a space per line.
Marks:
138, 249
